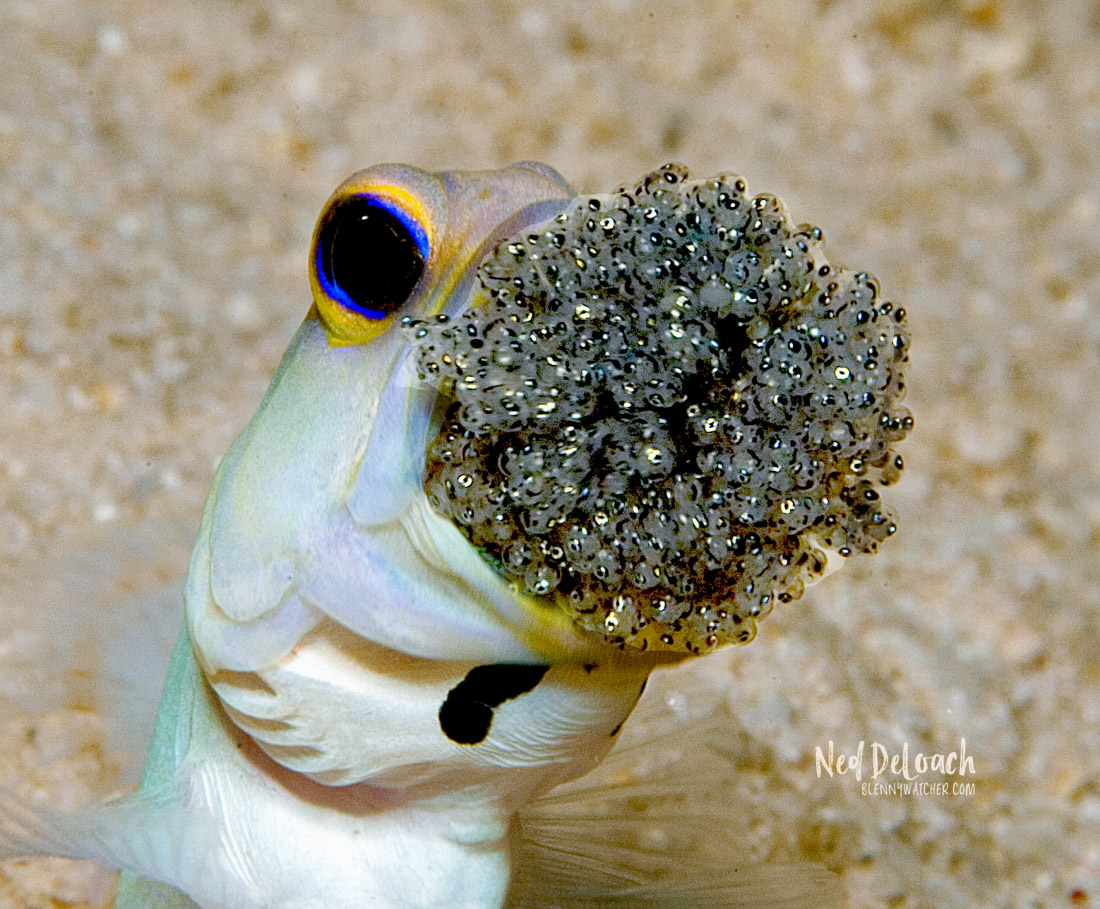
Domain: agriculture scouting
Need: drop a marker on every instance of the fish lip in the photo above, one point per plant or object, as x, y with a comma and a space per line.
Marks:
415, 406
463, 296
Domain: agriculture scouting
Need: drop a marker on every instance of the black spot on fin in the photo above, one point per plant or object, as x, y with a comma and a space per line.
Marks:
467, 714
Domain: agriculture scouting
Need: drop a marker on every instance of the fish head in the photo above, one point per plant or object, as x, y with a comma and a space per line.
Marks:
348, 626
319, 507
520, 428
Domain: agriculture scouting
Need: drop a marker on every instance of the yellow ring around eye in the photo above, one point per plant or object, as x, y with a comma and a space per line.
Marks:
412, 205
343, 325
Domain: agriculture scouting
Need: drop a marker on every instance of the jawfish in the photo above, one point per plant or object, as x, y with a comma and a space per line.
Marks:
526, 447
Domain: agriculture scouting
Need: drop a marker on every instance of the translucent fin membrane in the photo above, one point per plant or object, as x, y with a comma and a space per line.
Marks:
665, 407
661, 823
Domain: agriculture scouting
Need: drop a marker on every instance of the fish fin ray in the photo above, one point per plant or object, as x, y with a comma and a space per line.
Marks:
656, 825
97, 617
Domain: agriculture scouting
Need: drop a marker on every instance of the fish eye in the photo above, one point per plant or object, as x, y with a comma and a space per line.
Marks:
370, 255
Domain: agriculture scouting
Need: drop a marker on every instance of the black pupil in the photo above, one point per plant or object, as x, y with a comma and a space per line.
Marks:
370, 255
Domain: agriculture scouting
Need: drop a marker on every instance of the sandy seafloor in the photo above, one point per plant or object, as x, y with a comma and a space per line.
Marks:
161, 165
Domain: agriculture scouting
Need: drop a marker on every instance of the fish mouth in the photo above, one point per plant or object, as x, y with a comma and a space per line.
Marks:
664, 410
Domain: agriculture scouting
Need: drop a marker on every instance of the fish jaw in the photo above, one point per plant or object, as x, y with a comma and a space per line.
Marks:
284, 544
318, 509
334, 611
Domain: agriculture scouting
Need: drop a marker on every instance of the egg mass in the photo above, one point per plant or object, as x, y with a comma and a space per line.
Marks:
666, 410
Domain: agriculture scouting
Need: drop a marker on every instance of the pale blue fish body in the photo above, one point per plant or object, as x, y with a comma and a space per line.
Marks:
332, 610
360, 700
333, 617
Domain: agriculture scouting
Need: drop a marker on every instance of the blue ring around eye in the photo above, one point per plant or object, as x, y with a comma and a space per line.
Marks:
337, 293
411, 224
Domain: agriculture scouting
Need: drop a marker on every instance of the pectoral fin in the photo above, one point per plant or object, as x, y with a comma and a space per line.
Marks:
651, 827
177, 827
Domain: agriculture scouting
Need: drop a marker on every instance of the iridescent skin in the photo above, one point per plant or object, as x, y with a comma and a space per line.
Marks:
299, 758
359, 703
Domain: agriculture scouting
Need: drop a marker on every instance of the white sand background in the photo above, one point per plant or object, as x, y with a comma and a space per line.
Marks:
161, 164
